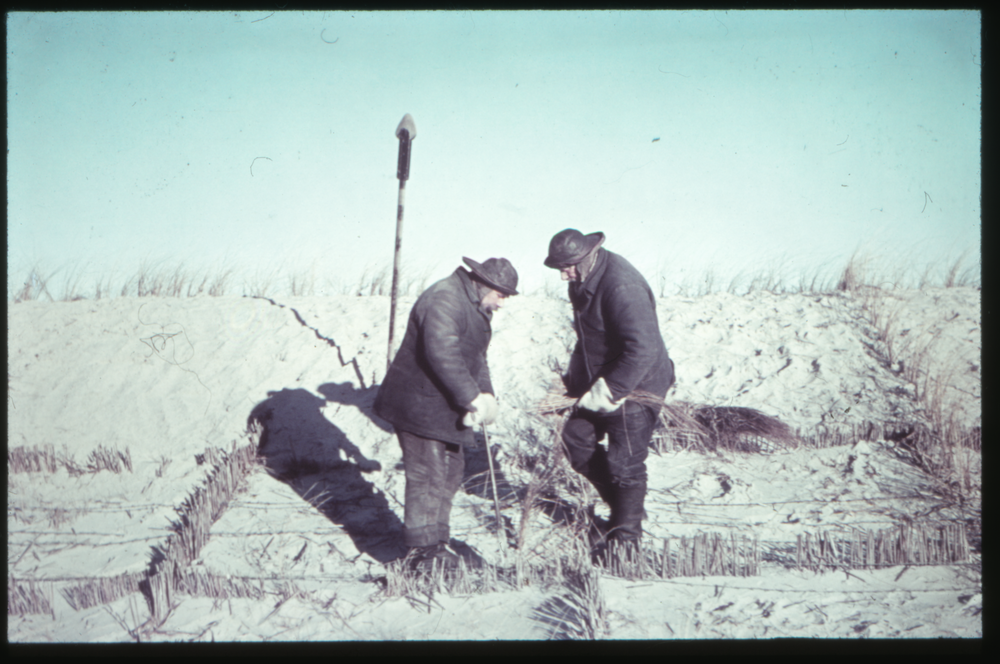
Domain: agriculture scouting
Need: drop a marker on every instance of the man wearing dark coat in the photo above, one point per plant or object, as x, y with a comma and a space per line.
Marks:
619, 350
436, 391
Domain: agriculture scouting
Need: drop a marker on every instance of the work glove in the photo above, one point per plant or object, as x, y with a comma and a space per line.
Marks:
599, 399
482, 410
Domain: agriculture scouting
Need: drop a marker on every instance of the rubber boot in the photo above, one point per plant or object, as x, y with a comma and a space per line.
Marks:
597, 532
627, 512
624, 548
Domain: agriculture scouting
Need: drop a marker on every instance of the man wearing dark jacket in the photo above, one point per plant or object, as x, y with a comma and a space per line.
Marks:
436, 390
619, 350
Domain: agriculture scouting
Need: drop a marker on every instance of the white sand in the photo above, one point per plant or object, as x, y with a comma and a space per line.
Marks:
168, 378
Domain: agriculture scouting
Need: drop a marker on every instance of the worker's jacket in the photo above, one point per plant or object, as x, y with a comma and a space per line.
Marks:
618, 336
441, 365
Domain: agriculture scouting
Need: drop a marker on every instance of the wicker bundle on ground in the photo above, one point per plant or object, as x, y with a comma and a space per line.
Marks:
703, 428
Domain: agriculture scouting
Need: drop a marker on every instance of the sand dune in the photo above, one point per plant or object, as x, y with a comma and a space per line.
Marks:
165, 385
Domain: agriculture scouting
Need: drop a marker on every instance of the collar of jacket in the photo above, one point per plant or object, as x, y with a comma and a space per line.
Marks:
471, 290
590, 283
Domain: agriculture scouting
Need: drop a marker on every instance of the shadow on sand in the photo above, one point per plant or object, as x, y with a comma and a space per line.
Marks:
303, 449
306, 451
476, 479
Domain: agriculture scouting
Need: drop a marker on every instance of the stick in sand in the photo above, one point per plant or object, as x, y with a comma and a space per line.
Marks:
405, 132
496, 498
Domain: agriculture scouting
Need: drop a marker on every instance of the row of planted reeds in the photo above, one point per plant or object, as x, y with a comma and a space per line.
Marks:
34, 459
170, 572
715, 554
867, 549
29, 596
45, 459
203, 507
205, 584
94, 592
704, 554
192, 529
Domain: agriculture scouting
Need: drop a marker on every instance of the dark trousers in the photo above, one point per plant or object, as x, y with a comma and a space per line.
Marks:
434, 471
618, 472
628, 430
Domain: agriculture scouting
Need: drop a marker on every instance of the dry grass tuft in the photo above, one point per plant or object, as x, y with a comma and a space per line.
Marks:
402, 581
375, 282
581, 613
855, 274
109, 458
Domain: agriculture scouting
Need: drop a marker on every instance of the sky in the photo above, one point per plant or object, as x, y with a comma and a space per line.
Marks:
697, 141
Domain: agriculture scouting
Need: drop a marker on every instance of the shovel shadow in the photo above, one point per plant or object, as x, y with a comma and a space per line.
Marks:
303, 449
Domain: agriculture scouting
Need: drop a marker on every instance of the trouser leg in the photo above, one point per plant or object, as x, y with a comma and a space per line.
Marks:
581, 434
629, 433
433, 475
453, 472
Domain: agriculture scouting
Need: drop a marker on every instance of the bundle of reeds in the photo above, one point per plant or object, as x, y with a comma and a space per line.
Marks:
701, 428
25, 597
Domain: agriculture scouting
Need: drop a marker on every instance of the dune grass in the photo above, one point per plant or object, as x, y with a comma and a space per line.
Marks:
162, 279
178, 281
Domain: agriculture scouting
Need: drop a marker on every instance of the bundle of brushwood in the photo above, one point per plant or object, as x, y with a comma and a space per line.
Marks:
698, 427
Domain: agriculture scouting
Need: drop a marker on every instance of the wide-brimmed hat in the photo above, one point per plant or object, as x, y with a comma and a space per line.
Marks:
497, 273
570, 246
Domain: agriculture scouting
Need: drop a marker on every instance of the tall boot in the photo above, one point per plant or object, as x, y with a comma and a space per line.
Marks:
627, 512
623, 552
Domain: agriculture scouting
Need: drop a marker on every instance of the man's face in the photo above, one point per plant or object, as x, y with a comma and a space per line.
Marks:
492, 300
569, 273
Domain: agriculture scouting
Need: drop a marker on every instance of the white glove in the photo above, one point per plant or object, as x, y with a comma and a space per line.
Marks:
599, 399
483, 410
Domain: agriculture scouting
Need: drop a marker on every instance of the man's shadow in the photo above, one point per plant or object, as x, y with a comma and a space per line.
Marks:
306, 451
476, 479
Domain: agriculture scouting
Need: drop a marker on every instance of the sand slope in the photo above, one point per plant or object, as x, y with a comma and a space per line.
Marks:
165, 379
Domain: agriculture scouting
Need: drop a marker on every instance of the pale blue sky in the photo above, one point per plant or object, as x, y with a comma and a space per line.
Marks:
786, 139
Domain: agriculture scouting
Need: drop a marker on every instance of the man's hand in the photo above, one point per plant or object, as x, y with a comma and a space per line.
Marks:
482, 410
599, 399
